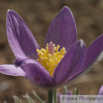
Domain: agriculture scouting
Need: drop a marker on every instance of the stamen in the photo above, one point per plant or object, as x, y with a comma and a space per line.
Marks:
50, 57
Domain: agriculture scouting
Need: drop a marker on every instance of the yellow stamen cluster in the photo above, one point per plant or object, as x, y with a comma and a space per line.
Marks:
50, 61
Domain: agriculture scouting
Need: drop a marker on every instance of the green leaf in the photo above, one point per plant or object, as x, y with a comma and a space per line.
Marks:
39, 99
16, 99
76, 91
28, 98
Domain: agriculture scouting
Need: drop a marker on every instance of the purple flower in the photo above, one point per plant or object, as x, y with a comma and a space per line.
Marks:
67, 93
100, 90
62, 60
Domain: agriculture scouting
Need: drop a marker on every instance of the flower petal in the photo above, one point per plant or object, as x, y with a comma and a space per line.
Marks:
69, 93
71, 63
36, 72
12, 70
100, 91
62, 30
20, 37
93, 52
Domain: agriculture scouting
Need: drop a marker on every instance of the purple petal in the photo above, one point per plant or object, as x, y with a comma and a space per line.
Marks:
100, 91
12, 70
62, 29
20, 37
20, 60
93, 52
36, 73
71, 63
69, 93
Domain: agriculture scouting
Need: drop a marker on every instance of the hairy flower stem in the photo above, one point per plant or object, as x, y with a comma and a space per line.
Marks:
52, 96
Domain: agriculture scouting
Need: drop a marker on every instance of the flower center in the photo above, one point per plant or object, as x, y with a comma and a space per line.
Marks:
50, 57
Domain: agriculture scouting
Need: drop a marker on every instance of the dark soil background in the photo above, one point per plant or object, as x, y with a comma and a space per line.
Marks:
38, 14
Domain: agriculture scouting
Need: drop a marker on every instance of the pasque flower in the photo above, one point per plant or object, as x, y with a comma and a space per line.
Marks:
67, 93
100, 90
62, 58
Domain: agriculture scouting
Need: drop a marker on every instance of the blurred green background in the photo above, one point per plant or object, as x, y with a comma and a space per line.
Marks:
38, 14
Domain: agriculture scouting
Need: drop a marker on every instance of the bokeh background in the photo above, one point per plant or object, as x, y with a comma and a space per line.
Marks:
38, 14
